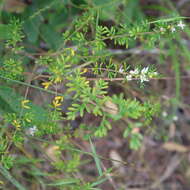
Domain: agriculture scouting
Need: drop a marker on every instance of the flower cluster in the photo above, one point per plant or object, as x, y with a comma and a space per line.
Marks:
32, 130
46, 84
17, 124
171, 28
57, 101
24, 104
144, 74
180, 25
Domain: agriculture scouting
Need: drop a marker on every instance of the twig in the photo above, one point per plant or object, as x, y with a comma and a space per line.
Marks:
172, 166
122, 78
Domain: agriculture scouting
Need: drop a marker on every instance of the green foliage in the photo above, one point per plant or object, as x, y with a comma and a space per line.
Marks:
135, 138
12, 69
15, 35
6, 159
66, 49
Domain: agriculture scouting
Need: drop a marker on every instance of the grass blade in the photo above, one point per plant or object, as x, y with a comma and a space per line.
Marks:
96, 158
7, 175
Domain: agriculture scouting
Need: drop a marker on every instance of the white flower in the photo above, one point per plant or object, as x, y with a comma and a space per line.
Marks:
162, 29
135, 72
164, 114
143, 78
121, 70
181, 25
32, 130
129, 77
173, 29
144, 70
175, 118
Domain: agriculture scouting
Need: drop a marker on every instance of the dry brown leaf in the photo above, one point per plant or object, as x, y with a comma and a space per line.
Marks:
117, 161
115, 156
172, 146
110, 107
51, 152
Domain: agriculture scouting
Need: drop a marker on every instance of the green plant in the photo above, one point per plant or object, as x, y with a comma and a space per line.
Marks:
79, 59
